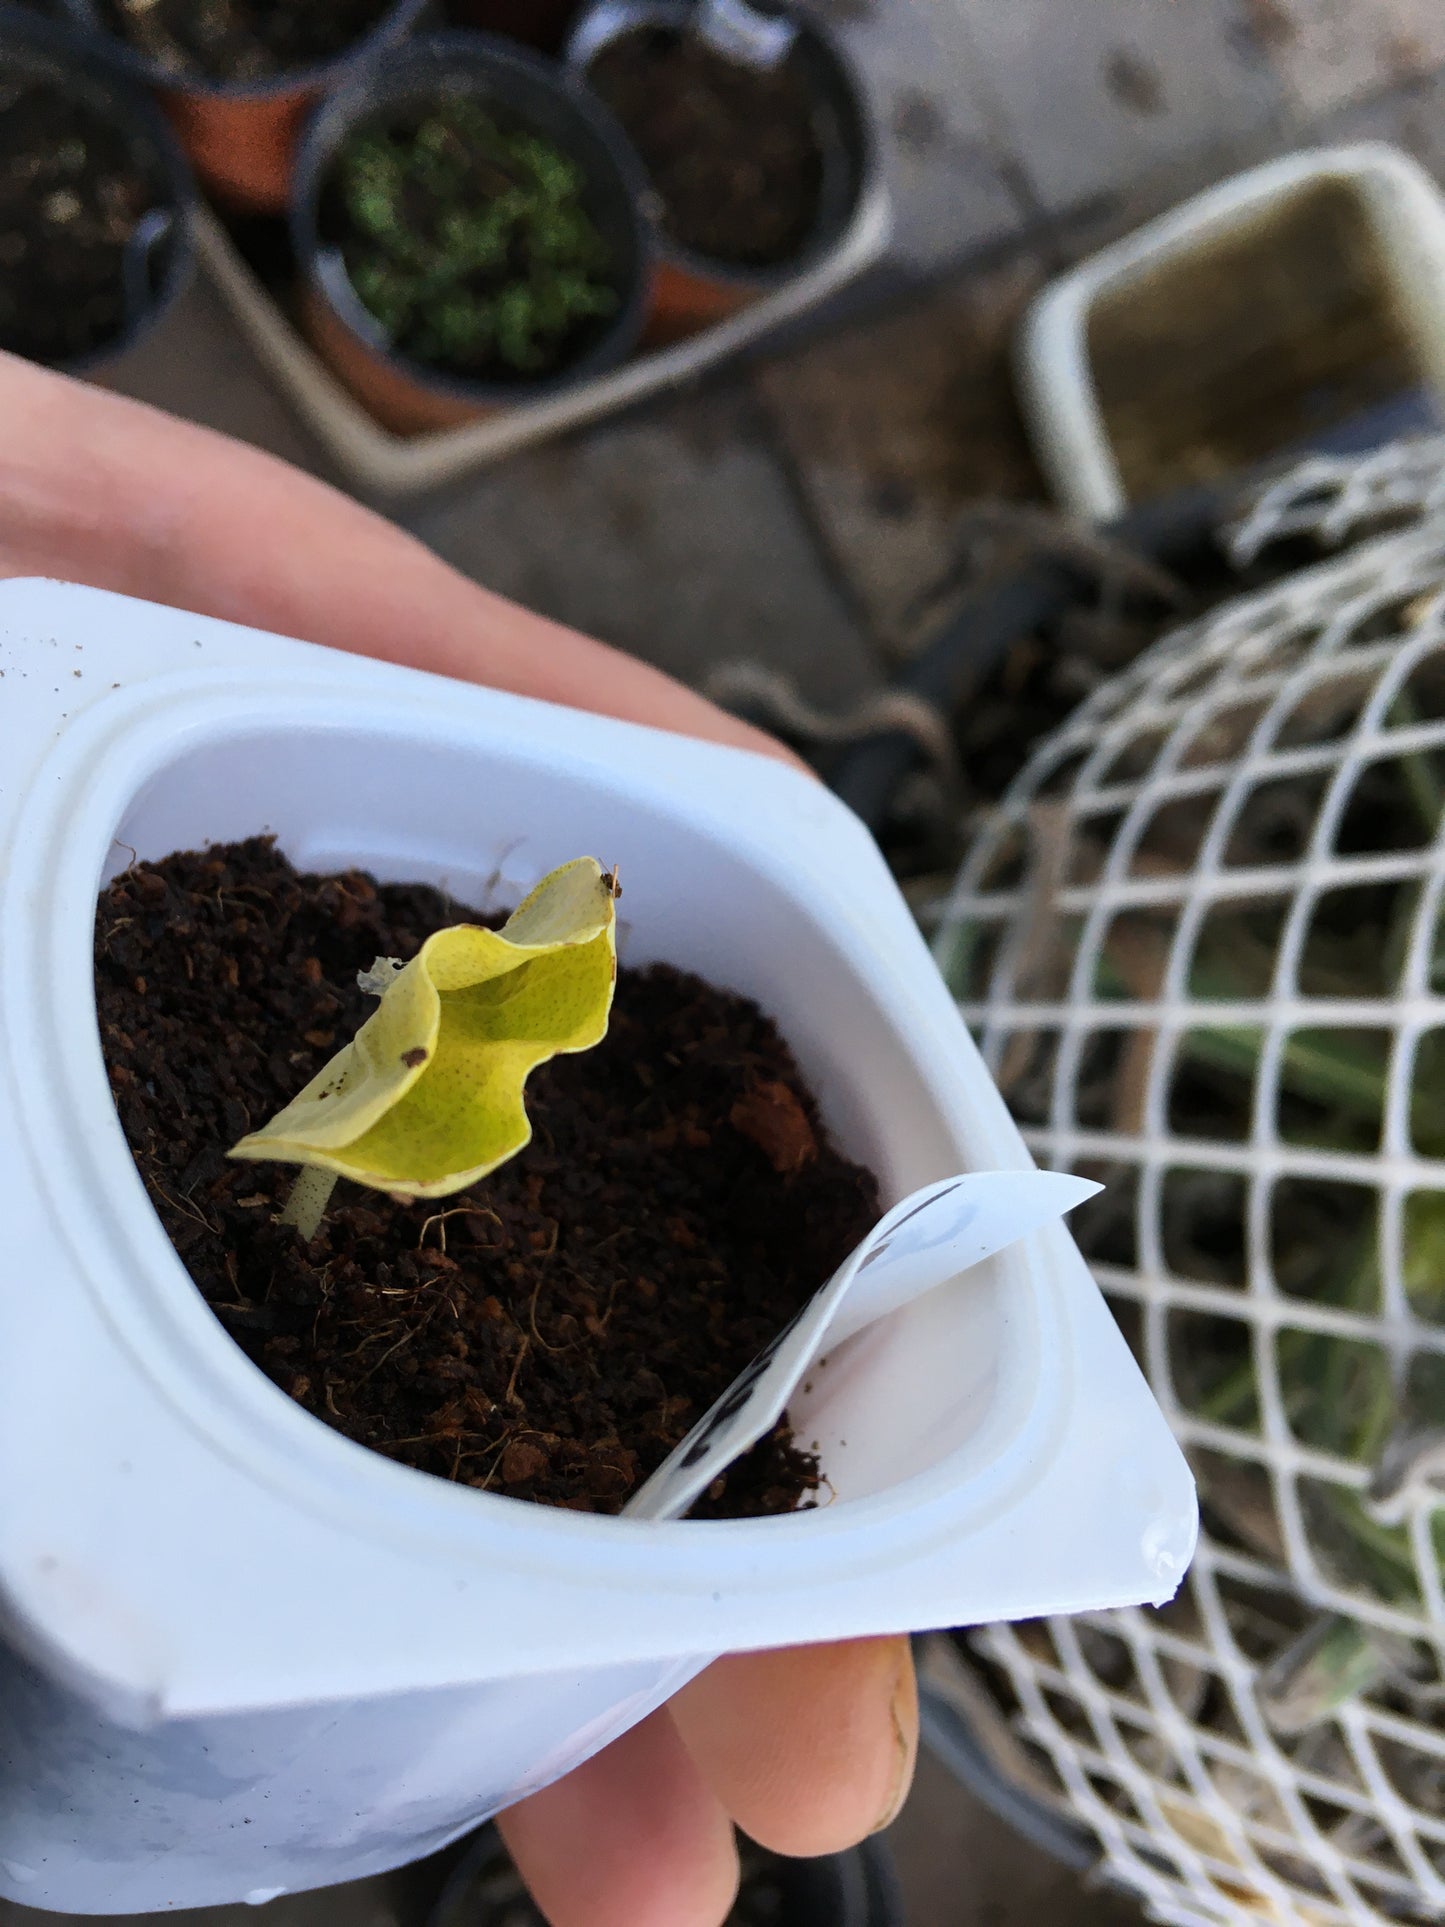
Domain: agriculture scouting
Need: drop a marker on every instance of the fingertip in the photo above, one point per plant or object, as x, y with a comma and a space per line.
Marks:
809, 1749
632, 1838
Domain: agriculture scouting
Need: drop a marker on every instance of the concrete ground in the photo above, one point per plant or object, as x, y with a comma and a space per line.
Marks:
800, 511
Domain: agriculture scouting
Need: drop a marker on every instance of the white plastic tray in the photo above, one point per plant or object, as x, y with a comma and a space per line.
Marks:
1403, 205
377, 462
260, 1657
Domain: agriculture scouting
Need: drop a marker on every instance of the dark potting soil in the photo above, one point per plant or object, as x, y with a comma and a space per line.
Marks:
732, 151
470, 242
74, 184
542, 24
235, 41
553, 1332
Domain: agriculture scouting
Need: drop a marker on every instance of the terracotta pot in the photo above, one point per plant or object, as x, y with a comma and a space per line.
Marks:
395, 398
242, 139
402, 392
690, 291
241, 145
160, 256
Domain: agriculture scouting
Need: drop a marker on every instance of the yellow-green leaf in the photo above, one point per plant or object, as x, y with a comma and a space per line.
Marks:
428, 1096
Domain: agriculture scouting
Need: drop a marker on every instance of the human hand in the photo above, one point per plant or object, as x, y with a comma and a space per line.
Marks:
806, 1750
98, 489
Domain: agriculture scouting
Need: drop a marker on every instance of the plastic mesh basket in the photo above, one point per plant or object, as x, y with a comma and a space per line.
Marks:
1202, 945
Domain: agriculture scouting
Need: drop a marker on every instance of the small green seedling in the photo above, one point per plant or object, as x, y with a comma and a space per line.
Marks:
428, 1096
471, 242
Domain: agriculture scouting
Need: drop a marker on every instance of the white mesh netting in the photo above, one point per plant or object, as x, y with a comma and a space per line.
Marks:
1202, 944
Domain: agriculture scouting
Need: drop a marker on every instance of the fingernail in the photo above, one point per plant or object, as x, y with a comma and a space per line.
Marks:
903, 1716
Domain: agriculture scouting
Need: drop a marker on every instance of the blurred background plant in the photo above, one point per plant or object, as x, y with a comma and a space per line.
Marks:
469, 242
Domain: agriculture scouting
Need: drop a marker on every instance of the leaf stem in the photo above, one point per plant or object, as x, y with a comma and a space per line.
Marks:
306, 1206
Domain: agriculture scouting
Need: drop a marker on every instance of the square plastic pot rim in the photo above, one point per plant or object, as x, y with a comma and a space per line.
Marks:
432, 56
61, 46
196, 690
117, 51
1066, 421
96, 1190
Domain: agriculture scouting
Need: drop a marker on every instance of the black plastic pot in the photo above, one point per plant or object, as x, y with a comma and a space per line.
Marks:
956, 1724
242, 137
951, 668
856, 1889
689, 290
159, 258
519, 88
1179, 532
543, 24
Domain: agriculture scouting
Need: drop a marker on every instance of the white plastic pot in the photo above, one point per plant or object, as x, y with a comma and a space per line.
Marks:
1398, 200
244, 1655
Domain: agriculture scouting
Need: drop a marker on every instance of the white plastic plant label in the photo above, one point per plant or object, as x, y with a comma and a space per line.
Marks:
930, 1237
746, 34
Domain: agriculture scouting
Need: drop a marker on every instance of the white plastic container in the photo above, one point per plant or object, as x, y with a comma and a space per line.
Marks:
244, 1655
379, 463
1404, 211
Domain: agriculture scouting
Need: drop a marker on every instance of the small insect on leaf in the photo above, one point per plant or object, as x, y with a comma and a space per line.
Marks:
428, 1095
